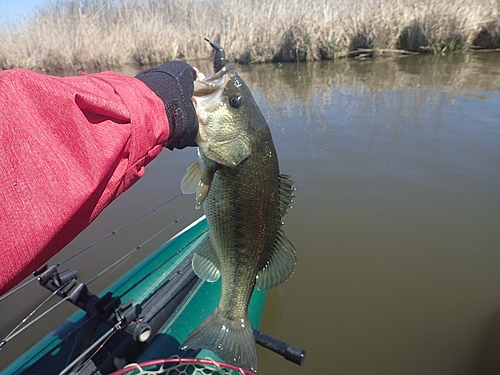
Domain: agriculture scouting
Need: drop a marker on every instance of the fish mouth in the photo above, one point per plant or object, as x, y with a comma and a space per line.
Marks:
208, 91
225, 147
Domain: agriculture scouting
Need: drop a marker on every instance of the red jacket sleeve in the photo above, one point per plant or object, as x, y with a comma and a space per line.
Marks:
68, 147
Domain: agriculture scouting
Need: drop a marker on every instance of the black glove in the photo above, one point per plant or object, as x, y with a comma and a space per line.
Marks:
173, 83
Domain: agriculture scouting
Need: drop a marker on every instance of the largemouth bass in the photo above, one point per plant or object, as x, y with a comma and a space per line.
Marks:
245, 197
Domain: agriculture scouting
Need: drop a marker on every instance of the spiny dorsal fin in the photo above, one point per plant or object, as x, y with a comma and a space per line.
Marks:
286, 194
205, 262
280, 266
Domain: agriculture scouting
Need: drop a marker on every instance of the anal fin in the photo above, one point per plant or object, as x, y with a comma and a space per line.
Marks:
286, 190
280, 266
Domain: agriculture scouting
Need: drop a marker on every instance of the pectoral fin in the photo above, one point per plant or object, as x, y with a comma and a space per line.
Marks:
280, 266
190, 181
205, 262
204, 184
199, 181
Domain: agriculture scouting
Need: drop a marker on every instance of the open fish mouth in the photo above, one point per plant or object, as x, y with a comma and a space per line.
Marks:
218, 102
208, 91
245, 197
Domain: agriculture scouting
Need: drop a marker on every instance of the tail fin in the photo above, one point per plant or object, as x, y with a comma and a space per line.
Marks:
232, 341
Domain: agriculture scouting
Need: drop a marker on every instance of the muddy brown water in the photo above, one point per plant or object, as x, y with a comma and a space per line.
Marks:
396, 219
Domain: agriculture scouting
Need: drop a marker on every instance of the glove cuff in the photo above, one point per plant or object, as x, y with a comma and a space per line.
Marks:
173, 84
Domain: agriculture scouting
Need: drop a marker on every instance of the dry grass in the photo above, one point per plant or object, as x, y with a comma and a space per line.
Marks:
96, 35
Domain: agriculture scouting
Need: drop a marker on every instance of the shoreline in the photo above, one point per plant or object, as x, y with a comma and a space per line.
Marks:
91, 35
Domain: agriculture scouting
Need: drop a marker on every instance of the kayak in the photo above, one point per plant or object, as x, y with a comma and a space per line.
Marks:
143, 316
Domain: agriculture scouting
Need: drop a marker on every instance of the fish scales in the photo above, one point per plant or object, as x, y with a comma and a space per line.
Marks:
238, 182
248, 195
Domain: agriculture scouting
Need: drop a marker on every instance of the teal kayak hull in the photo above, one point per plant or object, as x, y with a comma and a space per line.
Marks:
189, 307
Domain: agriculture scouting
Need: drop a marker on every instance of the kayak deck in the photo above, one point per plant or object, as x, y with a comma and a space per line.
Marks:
172, 301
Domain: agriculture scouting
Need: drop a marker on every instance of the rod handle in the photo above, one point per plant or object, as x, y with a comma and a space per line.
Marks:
289, 352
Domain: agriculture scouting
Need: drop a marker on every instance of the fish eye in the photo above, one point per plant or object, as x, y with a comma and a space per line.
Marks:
235, 101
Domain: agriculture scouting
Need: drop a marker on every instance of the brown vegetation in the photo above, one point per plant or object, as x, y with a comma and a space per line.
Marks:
102, 34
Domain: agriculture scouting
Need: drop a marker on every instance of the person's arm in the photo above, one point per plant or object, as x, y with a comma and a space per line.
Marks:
69, 146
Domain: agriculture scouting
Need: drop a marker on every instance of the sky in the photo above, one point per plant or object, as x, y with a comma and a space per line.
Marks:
11, 10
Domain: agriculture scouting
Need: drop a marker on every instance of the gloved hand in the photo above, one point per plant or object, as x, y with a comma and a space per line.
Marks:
173, 83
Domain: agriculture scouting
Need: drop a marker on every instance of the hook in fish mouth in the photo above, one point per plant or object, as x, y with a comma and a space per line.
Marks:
222, 73
209, 91
208, 85
216, 99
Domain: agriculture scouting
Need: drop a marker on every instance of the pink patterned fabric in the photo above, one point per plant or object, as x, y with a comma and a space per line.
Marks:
68, 147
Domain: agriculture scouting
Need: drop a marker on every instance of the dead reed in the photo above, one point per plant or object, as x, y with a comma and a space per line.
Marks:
102, 34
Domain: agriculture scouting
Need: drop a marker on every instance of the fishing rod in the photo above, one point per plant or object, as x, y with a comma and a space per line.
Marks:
138, 247
45, 273
287, 351
122, 227
98, 241
139, 321
18, 329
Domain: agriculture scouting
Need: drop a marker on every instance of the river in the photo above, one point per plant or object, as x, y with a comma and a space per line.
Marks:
396, 219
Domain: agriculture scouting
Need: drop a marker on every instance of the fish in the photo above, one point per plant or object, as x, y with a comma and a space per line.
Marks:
245, 197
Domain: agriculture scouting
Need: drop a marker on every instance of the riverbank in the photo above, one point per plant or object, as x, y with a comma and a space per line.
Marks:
97, 35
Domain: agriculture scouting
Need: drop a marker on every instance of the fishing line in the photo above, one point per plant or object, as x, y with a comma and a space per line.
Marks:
138, 247
190, 243
104, 337
85, 249
17, 330
117, 327
12, 334
119, 229
202, 235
